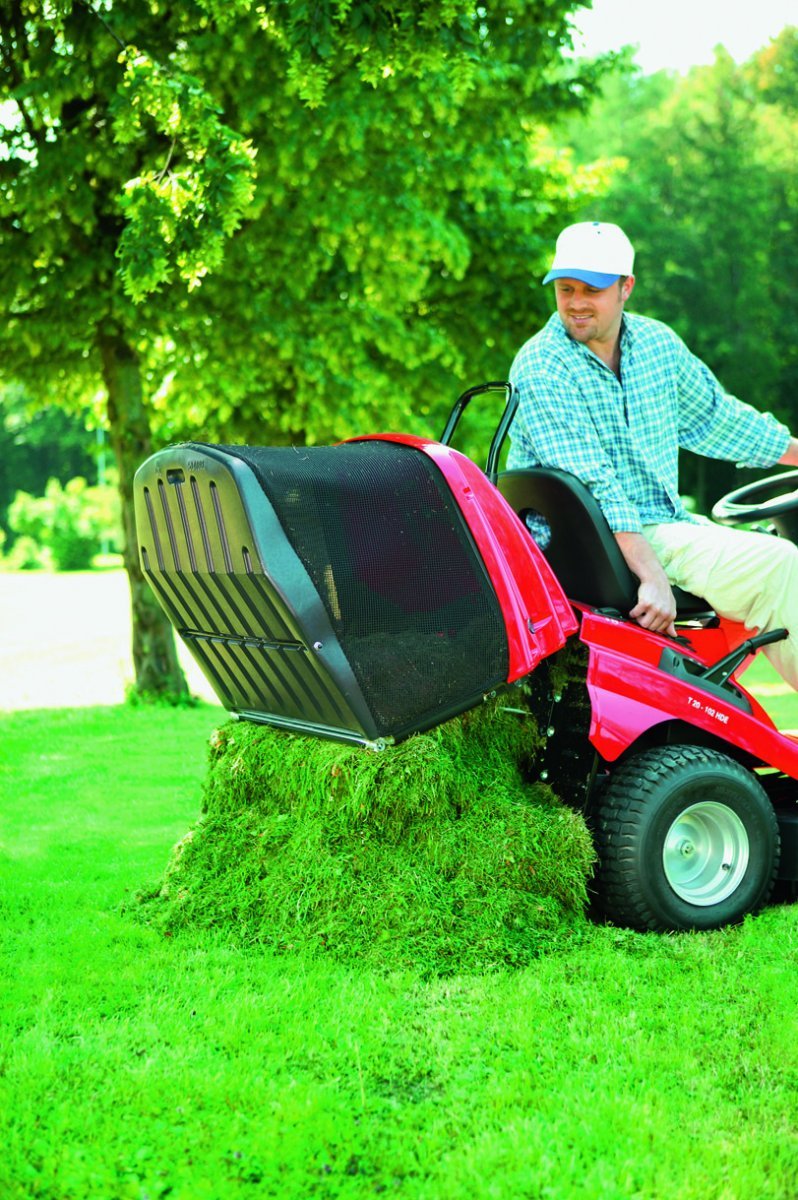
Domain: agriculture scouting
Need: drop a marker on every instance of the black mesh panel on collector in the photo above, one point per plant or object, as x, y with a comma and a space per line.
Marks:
391, 557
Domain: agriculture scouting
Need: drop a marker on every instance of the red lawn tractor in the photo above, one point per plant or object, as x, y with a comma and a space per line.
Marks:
373, 589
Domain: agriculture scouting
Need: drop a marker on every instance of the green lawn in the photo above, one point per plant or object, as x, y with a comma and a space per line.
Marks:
134, 1065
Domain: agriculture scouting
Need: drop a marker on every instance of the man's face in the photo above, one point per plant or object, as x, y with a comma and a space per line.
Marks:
592, 314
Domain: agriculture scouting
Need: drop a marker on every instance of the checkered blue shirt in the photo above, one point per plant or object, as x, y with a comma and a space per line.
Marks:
622, 438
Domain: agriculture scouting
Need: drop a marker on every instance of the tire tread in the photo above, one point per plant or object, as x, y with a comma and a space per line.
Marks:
631, 791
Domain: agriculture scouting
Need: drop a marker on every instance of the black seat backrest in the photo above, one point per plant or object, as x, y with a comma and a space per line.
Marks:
583, 552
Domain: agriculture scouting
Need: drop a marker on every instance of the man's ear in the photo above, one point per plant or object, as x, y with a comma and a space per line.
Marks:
627, 287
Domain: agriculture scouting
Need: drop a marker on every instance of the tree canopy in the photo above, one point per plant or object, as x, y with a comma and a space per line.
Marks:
283, 221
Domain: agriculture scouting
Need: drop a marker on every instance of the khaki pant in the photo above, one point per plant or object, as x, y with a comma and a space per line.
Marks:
748, 577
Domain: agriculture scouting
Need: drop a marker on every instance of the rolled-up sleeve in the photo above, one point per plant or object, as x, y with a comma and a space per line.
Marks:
716, 424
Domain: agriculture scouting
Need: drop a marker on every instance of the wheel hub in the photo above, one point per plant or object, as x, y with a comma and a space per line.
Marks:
705, 854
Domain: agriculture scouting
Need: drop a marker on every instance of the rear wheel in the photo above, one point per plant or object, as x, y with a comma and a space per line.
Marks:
686, 839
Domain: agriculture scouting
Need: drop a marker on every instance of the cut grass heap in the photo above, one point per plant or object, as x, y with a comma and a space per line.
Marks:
434, 854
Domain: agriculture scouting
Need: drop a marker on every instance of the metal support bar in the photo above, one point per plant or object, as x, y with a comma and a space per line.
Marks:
720, 671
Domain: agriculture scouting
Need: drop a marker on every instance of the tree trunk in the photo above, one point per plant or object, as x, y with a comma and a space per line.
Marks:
157, 671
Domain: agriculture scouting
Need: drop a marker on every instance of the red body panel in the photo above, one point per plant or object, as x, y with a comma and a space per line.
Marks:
537, 614
630, 695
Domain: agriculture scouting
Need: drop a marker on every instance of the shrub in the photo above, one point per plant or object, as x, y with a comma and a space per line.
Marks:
69, 524
26, 555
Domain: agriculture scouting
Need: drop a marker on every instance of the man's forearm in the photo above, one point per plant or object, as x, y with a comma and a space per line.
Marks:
656, 607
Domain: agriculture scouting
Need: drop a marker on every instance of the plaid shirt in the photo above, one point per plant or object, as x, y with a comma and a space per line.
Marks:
622, 438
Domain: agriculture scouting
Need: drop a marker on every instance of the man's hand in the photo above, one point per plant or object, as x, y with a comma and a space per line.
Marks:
656, 607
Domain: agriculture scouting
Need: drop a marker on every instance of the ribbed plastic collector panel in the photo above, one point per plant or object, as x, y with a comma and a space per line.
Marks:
333, 590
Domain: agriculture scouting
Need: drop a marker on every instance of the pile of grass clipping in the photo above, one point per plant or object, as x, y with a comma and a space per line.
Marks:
434, 854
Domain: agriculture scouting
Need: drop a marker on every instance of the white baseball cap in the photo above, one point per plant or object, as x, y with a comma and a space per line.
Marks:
594, 252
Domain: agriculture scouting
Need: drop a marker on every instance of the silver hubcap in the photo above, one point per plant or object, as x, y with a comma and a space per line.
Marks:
705, 854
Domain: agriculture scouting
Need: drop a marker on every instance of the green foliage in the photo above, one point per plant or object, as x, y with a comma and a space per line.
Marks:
383, 259
432, 854
418, 38
70, 523
37, 444
704, 182
389, 237
178, 219
26, 554
774, 71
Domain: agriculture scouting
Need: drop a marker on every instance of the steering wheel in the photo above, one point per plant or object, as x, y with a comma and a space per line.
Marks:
774, 499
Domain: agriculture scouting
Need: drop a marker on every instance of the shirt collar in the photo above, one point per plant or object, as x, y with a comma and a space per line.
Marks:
627, 334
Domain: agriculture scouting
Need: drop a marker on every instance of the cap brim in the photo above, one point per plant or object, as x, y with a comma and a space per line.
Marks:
592, 278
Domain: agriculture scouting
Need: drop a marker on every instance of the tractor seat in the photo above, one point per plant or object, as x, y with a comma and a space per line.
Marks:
582, 552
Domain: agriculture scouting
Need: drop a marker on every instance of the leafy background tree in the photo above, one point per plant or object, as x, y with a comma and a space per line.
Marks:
773, 74
279, 222
704, 181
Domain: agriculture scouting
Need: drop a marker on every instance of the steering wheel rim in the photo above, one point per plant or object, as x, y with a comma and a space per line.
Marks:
758, 501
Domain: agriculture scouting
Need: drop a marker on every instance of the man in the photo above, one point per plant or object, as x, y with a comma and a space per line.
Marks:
611, 397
